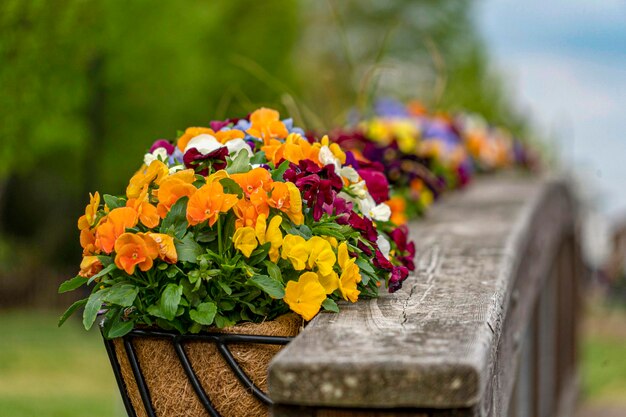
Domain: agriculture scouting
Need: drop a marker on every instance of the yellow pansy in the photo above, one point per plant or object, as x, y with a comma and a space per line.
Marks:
426, 197
350, 274
270, 234
146, 176
321, 255
245, 241
332, 240
296, 249
217, 176
330, 282
305, 296
406, 134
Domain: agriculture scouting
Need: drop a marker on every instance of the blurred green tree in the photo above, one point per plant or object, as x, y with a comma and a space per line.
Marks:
88, 85
355, 50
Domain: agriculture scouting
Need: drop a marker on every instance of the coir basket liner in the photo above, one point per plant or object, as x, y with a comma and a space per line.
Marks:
219, 373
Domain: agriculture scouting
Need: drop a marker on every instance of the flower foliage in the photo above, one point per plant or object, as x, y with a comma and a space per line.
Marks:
425, 154
243, 220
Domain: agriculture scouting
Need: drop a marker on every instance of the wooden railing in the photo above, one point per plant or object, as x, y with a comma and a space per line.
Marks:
485, 327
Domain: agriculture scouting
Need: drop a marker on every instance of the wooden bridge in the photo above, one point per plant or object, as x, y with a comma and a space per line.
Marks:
485, 327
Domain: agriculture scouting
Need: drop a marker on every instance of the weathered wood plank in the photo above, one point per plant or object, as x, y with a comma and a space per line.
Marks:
438, 343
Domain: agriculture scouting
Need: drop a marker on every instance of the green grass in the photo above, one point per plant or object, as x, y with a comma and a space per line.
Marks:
603, 355
604, 370
48, 372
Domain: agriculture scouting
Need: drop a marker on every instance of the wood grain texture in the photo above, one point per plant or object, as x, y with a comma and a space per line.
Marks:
439, 342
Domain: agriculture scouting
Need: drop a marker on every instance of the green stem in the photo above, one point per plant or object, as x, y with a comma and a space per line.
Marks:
219, 237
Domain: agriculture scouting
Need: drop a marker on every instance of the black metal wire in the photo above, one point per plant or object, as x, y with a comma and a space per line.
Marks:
195, 383
221, 341
110, 347
139, 379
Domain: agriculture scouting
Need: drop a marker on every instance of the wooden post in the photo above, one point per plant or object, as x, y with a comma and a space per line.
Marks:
483, 328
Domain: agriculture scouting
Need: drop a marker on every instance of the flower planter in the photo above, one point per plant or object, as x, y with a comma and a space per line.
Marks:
218, 373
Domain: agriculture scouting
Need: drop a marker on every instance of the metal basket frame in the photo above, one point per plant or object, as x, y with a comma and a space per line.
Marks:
221, 340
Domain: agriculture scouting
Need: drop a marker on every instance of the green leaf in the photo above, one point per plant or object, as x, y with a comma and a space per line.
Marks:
102, 273
120, 328
272, 287
204, 313
206, 236
105, 260
303, 231
365, 266
94, 304
122, 294
170, 298
71, 311
231, 187
330, 305
277, 174
274, 271
176, 220
258, 158
188, 249
259, 254
221, 321
113, 202
225, 287
72, 284
327, 231
155, 311
240, 164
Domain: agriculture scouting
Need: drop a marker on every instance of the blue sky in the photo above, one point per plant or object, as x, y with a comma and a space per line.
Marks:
565, 62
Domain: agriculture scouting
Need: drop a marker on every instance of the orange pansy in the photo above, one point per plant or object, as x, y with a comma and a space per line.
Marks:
89, 218
90, 266
172, 189
113, 226
208, 202
88, 242
146, 176
286, 197
397, 205
266, 125
148, 214
247, 213
135, 250
167, 250
224, 136
294, 149
257, 178
190, 133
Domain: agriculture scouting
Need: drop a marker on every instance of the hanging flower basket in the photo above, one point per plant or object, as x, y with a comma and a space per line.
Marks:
221, 372
219, 236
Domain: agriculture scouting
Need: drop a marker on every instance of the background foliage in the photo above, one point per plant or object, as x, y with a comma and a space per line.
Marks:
88, 85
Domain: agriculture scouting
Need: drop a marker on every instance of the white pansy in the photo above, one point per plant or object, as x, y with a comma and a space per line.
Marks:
369, 208
350, 174
176, 168
159, 153
326, 157
381, 212
384, 245
204, 144
359, 189
236, 145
